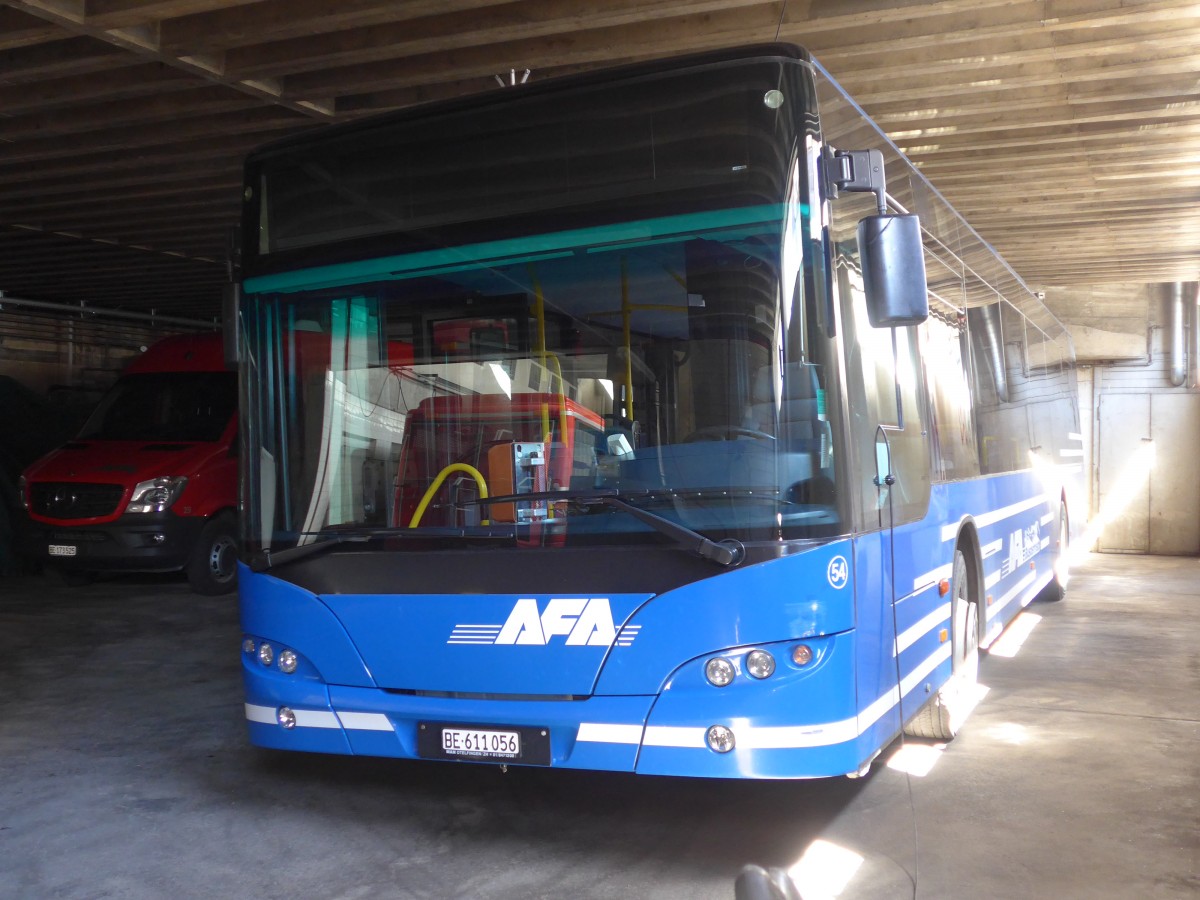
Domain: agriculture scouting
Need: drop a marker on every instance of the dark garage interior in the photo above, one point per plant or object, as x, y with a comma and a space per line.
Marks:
156, 154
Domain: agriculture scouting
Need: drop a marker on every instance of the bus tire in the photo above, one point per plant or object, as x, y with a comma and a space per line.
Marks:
1057, 588
212, 569
941, 718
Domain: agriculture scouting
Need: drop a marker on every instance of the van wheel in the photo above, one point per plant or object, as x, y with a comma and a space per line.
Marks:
942, 717
213, 567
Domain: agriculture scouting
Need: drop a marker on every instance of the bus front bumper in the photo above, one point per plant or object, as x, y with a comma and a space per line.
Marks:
795, 727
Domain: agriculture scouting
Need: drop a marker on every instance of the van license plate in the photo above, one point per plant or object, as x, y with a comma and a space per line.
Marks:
62, 550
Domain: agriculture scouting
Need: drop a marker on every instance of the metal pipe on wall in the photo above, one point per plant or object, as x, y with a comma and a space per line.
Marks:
82, 310
1195, 348
1178, 361
994, 335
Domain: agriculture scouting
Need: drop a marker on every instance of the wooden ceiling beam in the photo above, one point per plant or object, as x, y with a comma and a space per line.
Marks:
142, 42
276, 20
219, 187
137, 112
88, 169
592, 46
258, 121
509, 23
131, 13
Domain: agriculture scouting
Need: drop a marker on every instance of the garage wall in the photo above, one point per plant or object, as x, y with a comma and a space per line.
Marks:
46, 351
1140, 432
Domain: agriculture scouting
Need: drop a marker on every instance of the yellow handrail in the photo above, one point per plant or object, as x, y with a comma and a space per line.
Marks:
437, 483
540, 312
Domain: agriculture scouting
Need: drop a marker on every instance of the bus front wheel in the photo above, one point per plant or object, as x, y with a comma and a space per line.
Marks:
941, 718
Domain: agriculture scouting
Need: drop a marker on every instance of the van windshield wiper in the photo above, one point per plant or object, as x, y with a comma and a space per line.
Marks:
267, 559
724, 553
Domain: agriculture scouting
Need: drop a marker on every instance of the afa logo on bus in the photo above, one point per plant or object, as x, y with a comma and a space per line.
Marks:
581, 621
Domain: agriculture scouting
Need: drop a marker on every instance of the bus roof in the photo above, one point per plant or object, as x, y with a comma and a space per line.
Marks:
550, 85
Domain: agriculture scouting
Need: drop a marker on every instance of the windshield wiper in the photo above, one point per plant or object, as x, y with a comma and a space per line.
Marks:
724, 553
267, 559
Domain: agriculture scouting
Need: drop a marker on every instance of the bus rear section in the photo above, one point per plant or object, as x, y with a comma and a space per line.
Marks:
150, 482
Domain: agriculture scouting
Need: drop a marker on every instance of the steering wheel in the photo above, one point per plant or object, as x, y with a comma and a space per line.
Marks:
726, 433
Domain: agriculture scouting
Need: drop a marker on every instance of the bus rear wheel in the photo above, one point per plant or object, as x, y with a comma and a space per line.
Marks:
1057, 588
941, 718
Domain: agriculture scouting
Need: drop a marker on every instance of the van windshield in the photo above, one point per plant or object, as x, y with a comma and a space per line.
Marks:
169, 407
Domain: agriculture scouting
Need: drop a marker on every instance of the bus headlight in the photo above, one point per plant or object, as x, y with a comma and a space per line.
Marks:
156, 495
719, 671
288, 662
760, 664
286, 717
720, 739
266, 653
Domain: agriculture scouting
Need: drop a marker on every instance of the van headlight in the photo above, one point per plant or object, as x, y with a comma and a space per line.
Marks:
23, 492
156, 494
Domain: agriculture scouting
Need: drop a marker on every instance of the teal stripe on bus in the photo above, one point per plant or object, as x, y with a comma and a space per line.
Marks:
510, 250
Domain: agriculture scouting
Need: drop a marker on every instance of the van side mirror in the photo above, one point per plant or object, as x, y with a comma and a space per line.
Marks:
893, 267
231, 301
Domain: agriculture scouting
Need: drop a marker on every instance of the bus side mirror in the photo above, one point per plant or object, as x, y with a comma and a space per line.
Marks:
889, 246
893, 267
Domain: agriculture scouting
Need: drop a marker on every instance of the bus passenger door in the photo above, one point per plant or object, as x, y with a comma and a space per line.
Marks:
902, 475
888, 432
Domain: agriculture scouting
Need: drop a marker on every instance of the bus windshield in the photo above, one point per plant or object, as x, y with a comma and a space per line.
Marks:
671, 353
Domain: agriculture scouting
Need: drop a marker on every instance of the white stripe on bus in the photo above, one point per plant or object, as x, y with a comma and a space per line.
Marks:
914, 633
318, 718
360, 721
772, 737
950, 532
929, 579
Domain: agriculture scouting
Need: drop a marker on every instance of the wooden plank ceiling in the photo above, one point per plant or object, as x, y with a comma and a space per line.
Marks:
1066, 131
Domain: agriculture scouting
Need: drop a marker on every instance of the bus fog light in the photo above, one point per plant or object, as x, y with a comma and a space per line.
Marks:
720, 739
286, 717
288, 661
719, 671
802, 654
760, 664
266, 654
248, 646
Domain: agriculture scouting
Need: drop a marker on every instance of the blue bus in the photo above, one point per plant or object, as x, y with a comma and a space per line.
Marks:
660, 420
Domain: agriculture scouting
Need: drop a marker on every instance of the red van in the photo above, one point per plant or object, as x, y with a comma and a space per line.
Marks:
150, 482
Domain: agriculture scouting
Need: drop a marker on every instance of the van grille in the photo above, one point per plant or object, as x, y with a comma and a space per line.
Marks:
69, 500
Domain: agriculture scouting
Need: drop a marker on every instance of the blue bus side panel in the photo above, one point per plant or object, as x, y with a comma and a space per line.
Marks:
1015, 518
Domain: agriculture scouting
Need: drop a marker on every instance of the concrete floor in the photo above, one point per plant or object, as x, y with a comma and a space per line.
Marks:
124, 772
